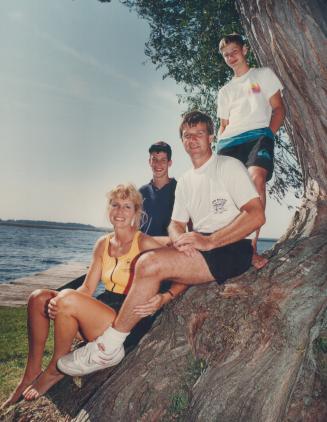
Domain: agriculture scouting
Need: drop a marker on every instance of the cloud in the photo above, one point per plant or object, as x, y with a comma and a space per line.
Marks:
16, 15
77, 89
85, 59
165, 95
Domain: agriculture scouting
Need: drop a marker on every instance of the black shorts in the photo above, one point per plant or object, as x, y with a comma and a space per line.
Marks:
115, 301
257, 152
230, 260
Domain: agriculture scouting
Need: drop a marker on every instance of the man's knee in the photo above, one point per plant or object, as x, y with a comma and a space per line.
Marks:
149, 265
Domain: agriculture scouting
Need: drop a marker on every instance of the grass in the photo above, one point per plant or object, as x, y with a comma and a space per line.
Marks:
180, 399
14, 347
179, 402
321, 343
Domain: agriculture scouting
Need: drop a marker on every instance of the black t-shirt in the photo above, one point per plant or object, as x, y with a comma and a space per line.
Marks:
158, 205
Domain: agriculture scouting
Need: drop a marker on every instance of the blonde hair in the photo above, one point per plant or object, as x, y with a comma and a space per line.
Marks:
128, 191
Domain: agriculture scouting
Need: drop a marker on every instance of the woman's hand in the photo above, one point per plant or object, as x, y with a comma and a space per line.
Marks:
52, 308
151, 306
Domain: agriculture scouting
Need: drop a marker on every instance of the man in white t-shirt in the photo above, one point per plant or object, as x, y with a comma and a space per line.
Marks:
251, 110
223, 204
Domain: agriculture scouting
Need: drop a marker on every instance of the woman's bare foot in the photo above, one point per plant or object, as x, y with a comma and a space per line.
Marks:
24, 383
42, 384
259, 261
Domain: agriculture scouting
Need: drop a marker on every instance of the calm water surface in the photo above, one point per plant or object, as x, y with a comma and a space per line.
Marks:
27, 250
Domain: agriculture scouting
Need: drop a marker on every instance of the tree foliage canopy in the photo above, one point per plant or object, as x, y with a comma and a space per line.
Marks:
184, 38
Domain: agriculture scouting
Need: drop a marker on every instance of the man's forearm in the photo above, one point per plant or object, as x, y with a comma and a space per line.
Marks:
277, 119
244, 224
223, 124
175, 229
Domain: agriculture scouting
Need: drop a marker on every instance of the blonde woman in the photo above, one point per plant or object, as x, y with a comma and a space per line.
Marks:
76, 311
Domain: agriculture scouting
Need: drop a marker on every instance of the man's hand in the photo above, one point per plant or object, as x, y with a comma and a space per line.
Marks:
52, 308
150, 307
187, 249
192, 241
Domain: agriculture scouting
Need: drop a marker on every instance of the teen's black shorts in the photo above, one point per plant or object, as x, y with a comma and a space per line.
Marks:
230, 260
257, 152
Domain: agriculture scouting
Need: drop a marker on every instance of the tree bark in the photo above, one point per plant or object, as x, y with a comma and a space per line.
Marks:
247, 352
239, 353
252, 350
290, 37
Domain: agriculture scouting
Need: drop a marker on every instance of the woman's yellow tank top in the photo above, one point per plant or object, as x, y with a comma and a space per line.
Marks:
118, 273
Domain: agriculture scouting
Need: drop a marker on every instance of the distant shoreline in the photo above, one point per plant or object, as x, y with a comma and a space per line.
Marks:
76, 226
268, 239
52, 225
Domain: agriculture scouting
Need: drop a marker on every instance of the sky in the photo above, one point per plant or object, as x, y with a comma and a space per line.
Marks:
80, 105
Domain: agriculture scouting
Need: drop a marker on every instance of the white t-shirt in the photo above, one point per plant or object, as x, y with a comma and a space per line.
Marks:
213, 194
244, 101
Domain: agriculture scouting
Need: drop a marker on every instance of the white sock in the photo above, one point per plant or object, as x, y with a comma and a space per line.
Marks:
112, 339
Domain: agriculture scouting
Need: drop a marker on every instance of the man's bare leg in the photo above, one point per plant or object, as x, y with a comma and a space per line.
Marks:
259, 177
151, 269
71, 316
38, 324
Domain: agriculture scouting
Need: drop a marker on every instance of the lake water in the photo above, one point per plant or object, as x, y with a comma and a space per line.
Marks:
27, 250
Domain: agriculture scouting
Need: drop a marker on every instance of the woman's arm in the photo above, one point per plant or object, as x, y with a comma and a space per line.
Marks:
174, 291
93, 275
92, 278
146, 242
163, 240
160, 300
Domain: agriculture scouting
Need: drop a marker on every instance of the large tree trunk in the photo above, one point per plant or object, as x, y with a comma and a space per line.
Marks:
290, 36
252, 350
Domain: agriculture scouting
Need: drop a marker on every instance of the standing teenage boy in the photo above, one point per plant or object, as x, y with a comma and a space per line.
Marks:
159, 194
251, 110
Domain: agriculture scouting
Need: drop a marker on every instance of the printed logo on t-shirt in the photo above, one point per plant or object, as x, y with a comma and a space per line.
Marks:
219, 205
255, 88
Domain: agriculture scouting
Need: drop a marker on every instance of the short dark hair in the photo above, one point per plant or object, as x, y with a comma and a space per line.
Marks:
161, 146
194, 117
231, 38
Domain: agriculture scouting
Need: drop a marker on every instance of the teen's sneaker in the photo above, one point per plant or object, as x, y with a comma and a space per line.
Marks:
88, 359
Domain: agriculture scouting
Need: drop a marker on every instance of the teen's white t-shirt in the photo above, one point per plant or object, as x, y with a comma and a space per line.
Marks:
213, 194
244, 101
